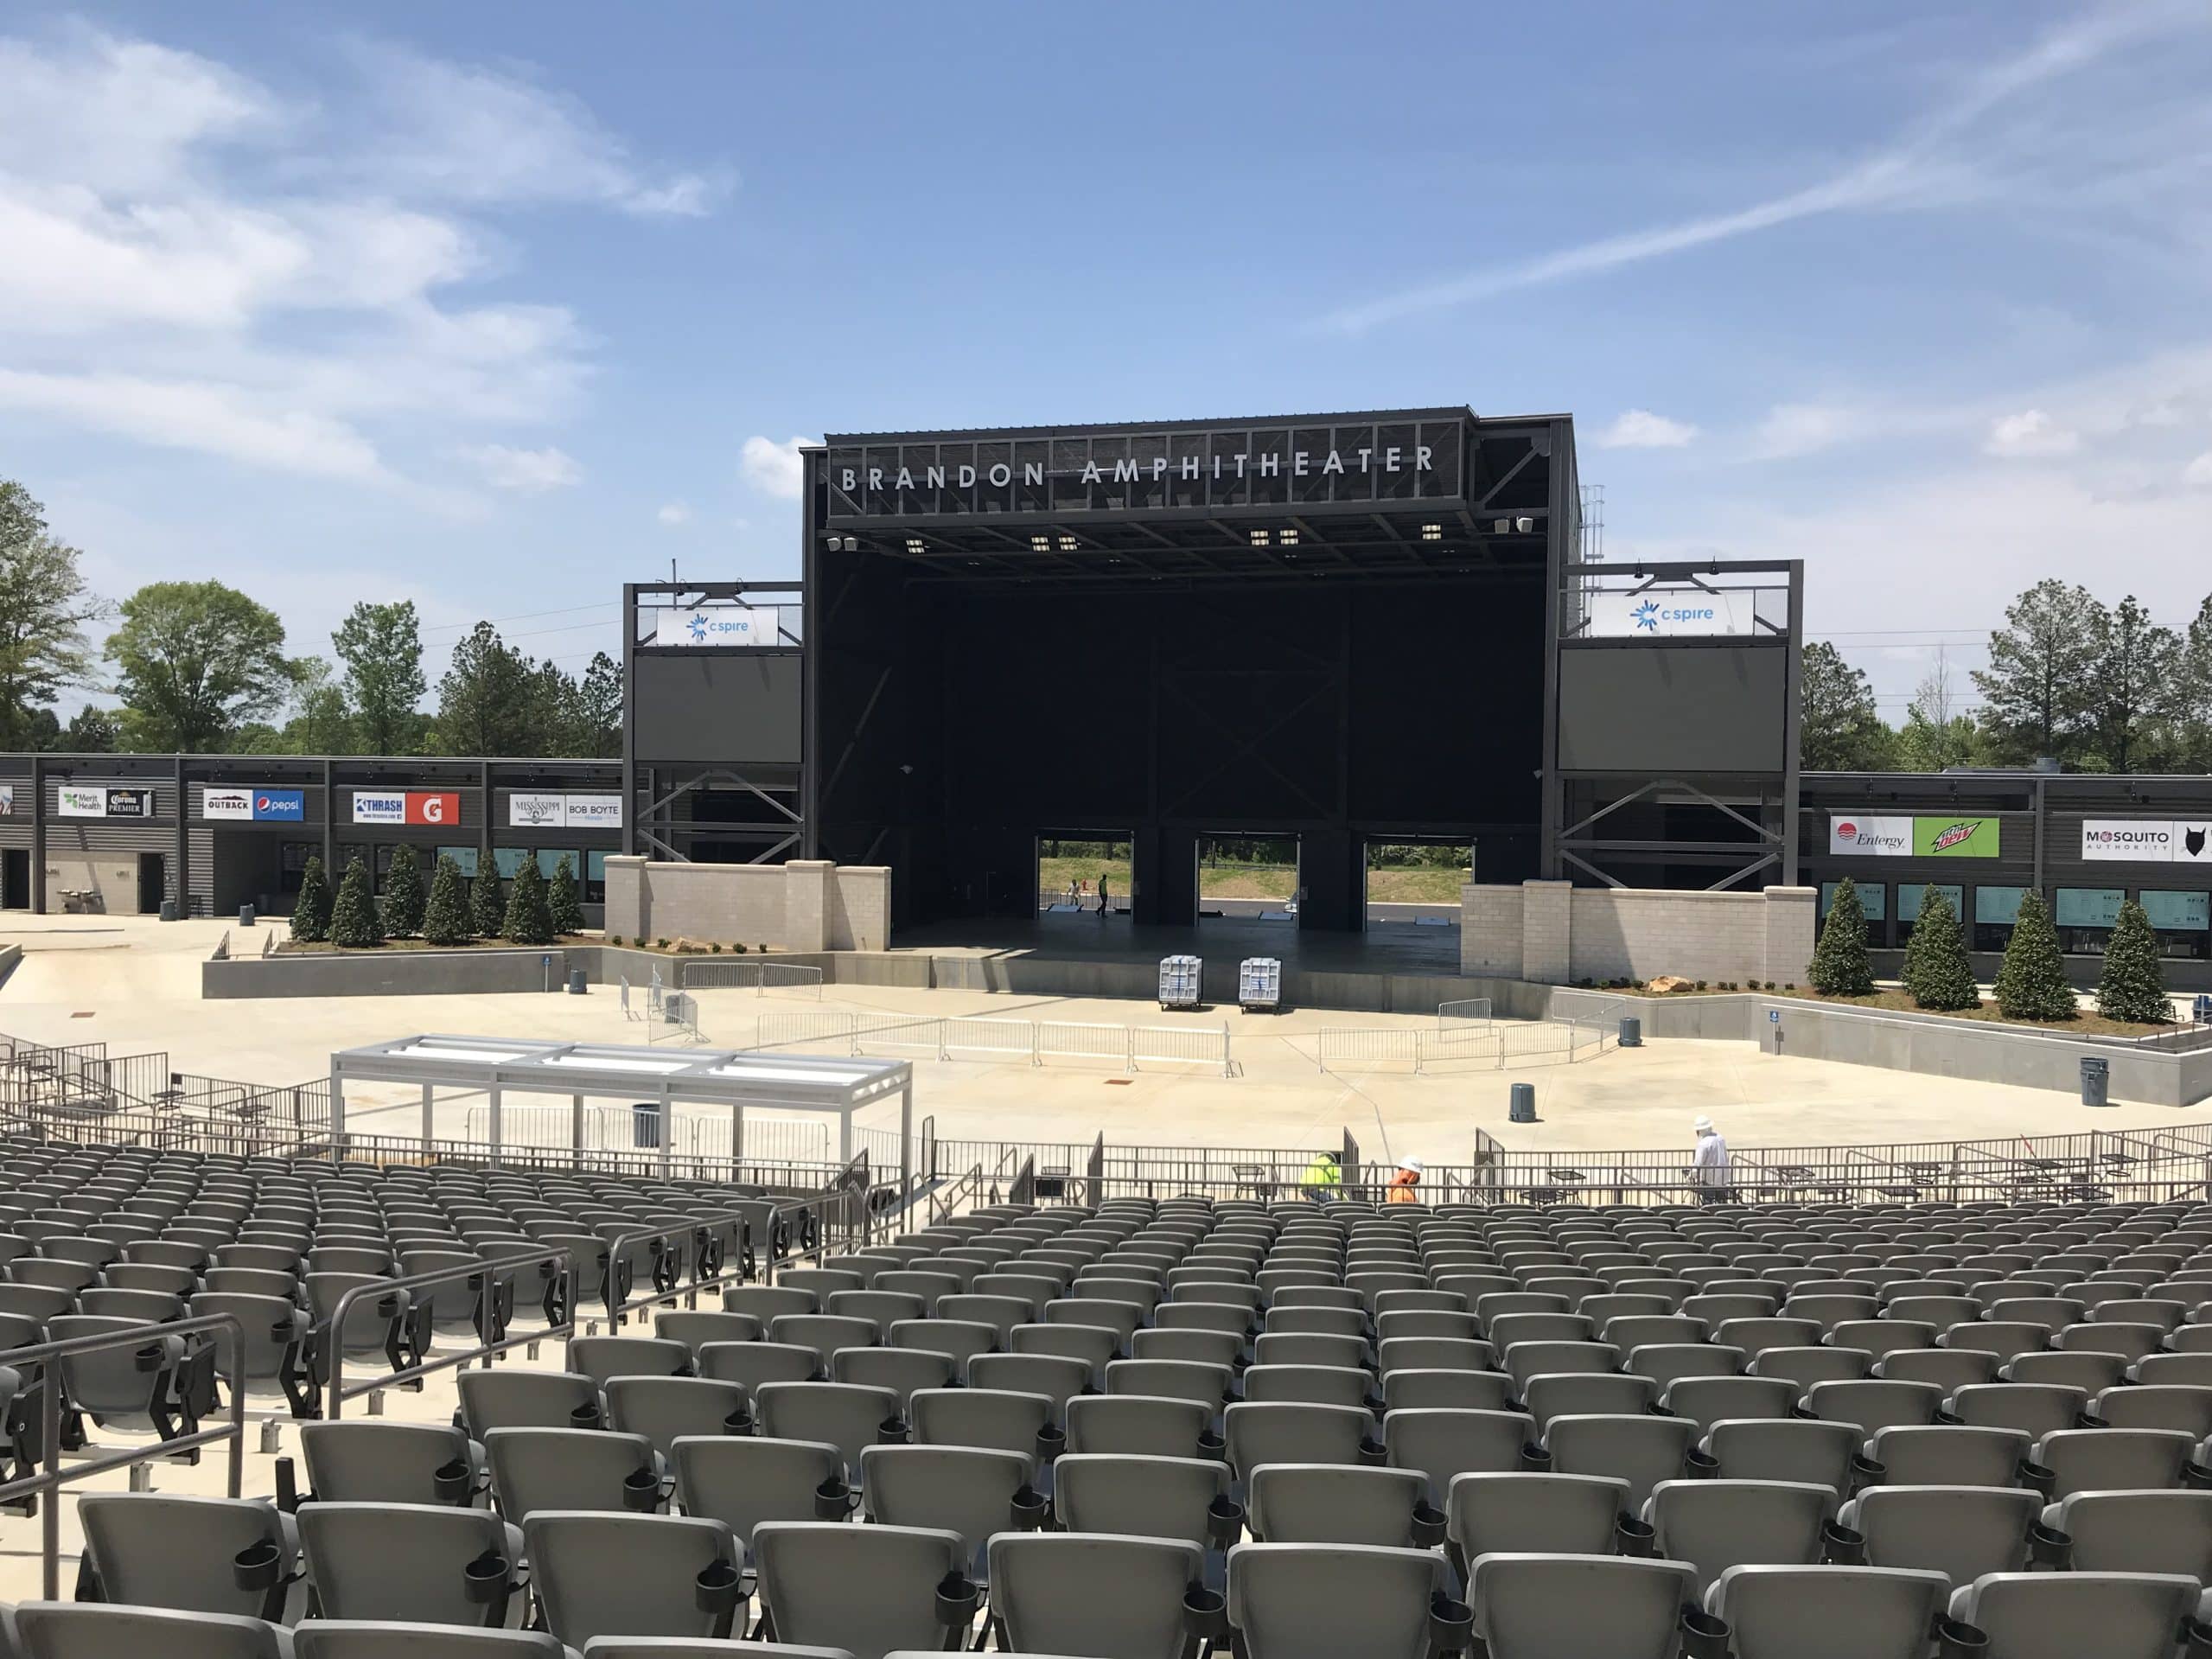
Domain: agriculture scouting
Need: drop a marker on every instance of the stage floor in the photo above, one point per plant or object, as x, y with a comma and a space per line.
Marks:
1385, 948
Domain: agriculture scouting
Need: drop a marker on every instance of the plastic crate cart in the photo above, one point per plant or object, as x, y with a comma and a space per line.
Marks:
1179, 976
1259, 983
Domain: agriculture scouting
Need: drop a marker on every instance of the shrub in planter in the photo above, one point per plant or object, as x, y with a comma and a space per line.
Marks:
561, 899
311, 910
1840, 967
445, 920
1938, 973
353, 921
2134, 986
2031, 985
403, 894
487, 911
529, 919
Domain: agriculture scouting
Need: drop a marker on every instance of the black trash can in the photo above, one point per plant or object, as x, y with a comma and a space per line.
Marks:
2096, 1081
245, 915
169, 909
1522, 1107
576, 982
645, 1125
1631, 1031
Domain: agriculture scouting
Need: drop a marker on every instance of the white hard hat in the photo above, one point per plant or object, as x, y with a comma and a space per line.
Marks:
1415, 1164
1702, 1126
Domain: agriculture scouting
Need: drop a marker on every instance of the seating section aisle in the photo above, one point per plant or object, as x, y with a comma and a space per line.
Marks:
1166, 1427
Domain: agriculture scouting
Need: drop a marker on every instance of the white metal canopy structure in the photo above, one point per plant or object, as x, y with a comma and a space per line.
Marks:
700, 1077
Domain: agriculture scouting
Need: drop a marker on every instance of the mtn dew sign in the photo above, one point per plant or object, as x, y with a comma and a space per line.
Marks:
1956, 838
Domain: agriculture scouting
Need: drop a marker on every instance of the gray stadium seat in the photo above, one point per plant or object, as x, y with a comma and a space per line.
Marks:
1319, 1601
1828, 1612
438, 1563
599, 1574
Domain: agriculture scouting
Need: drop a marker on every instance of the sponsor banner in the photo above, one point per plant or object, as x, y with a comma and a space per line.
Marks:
7, 801
720, 625
228, 806
75, 801
280, 805
2146, 841
535, 811
380, 806
1852, 835
1667, 613
1956, 838
433, 807
129, 803
593, 811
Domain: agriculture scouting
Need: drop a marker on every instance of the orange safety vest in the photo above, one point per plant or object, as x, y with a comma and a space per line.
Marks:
1401, 1188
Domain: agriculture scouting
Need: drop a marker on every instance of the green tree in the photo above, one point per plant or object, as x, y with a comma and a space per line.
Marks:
353, 921
382, 648
2194, 716
487, 910
599, 698
529, 918
321, 723
403, 894
446, 920
89, 732
1938, 972
2134, 685
311, 908
486, 697
195, 661
2132, 986
44, 606
561, 899
1837, 728
2036, 690
1839, 965
2031, 984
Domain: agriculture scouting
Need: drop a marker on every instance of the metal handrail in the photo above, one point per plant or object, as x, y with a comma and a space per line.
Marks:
488, 1267
49, 1481
617, 1312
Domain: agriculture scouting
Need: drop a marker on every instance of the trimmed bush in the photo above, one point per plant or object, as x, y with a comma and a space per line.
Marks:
445, 921
561, 899
354, 921
403, 894
311, 910
2132, 986
487, 910
1839, 965
1937, 970
529, 917
2033, 983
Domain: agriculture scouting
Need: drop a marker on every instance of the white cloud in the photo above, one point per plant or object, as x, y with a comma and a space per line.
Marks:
1639, 428
1960, 149
774, 467
674, 513
530, 471
196, 262
2031, 432
1790, 430
2198, 473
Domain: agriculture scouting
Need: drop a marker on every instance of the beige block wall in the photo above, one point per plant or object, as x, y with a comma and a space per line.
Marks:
803, 905
112, 877
1552, 933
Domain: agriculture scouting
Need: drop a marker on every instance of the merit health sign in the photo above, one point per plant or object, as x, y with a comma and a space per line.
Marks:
2146, 840
1853, 835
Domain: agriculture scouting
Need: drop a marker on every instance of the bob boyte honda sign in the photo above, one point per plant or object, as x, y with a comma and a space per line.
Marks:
1667, 613
548, 811
714, 625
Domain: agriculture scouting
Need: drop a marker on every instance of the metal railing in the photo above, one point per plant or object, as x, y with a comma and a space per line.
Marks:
489, 1269
760, 978
1008, 1041
1463, 1011
792, 1142
48, 1482
1495, 1043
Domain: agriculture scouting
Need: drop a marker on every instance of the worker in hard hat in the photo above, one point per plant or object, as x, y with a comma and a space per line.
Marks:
1402, 1184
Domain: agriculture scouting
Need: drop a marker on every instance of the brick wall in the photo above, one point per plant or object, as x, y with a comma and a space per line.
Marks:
1552, 933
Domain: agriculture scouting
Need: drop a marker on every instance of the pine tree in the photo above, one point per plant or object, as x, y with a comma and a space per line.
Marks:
311, 910
352, 914
2033, 983
403, 894
529, 918
1840, 965
446, 920
1942, 976
2134, 986
561, 899
487, 910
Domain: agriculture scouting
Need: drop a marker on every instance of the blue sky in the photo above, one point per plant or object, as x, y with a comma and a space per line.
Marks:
412, 300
